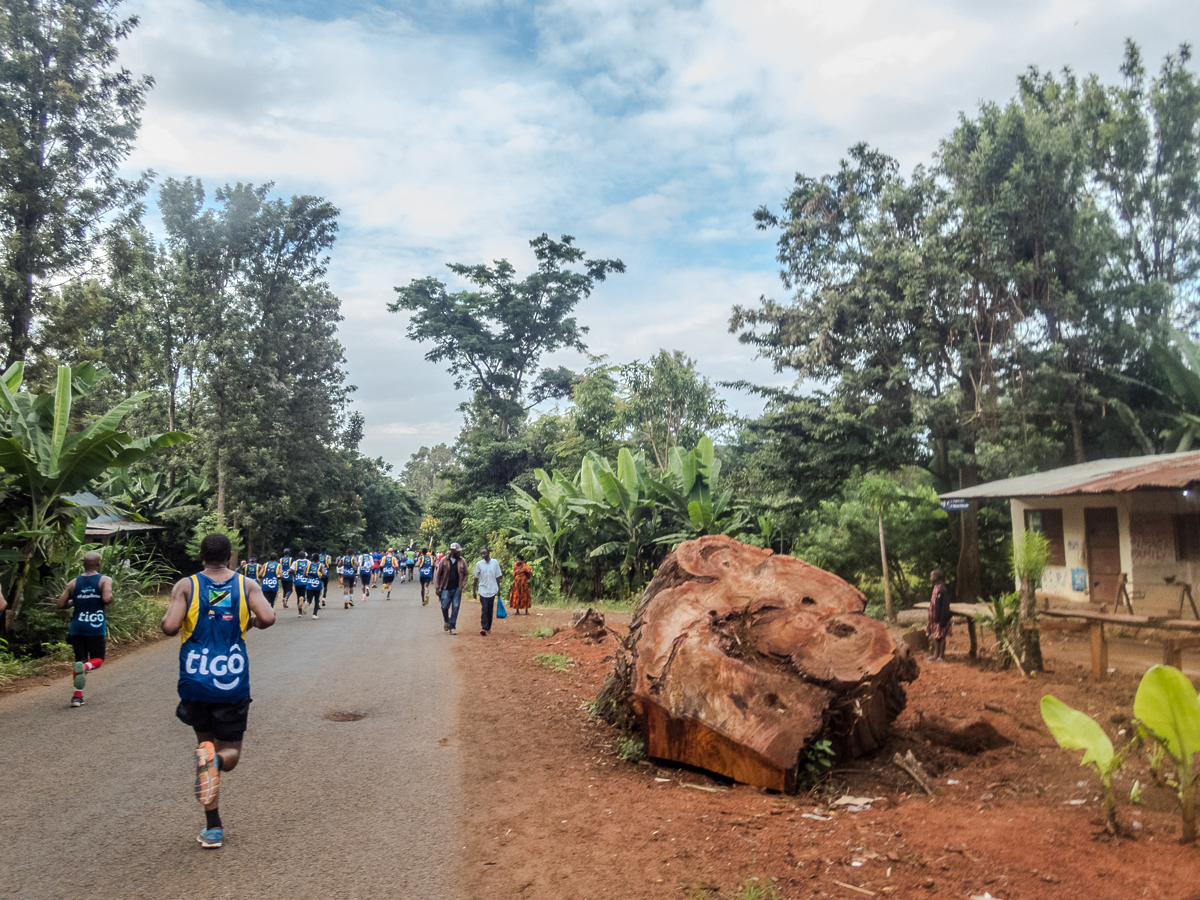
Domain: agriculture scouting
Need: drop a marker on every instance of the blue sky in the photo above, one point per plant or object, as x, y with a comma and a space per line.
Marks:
457, 130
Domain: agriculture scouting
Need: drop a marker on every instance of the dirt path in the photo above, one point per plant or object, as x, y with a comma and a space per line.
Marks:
556, 815
96, 802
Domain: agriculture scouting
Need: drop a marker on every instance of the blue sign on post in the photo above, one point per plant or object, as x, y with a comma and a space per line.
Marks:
956, 505
1079, 579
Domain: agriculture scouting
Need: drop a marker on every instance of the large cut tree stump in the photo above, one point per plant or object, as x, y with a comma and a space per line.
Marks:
738, 659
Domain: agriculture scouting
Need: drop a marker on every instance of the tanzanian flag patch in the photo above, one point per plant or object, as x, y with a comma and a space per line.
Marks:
220, 598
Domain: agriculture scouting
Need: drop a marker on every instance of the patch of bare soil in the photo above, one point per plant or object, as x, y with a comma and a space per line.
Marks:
554, 813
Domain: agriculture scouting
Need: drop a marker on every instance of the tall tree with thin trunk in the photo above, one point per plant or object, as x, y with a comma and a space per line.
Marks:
69, 116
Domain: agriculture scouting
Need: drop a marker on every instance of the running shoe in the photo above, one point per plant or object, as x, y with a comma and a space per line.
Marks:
445, 626
314, 614
210, 838
80, 677
452, 631
482, 633
208, 779
76, 701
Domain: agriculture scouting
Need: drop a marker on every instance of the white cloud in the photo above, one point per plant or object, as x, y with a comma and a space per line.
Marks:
648, 129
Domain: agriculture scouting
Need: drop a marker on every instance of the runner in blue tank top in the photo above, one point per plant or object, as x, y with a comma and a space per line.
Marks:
88, 595
346, 567
211, 611
269, 580
366, 569
285, 574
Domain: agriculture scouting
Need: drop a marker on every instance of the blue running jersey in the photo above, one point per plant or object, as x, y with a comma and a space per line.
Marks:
87, 607
270, 578
213, 664
365, 565
348, 566
285, 569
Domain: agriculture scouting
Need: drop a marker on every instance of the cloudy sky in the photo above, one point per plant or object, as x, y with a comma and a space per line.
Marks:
456, 130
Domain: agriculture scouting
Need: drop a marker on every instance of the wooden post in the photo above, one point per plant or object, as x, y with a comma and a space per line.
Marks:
974, 652
1187, 593
1173, 650
1099, 652
1123, 594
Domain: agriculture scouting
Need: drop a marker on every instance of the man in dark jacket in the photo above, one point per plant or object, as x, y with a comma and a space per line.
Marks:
448, 583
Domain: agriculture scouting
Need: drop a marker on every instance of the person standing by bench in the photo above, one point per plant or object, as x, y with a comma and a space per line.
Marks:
938, 626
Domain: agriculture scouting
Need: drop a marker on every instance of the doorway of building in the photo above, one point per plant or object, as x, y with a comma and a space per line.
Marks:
1102, 537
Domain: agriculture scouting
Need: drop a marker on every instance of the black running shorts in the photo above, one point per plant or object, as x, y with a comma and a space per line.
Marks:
224, 721
347, 581
314, 593
271, 595
365, 577
287, 588
87, 646
425, 579
388, 579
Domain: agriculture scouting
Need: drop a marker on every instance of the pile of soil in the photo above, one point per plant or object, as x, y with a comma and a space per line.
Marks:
554, 812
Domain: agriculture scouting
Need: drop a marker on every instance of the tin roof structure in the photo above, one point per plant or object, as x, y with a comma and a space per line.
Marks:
107, 523
1166, 471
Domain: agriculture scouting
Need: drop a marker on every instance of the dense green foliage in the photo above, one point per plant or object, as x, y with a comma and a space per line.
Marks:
221, 330
1026, 301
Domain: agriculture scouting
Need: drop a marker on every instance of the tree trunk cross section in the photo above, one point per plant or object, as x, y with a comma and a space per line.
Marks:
737, 660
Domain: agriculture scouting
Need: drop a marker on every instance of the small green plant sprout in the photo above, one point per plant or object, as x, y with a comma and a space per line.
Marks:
631, 748
815, 763
1135, 794
1167, 710
541, 631
1001, 616
1075, 730
556, 661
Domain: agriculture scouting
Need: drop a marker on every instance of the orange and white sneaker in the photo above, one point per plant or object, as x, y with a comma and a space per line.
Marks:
208, 779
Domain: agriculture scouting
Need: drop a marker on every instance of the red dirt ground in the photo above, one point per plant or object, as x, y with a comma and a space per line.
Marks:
554, 813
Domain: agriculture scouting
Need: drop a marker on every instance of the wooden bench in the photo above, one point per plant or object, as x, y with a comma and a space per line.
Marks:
1095, 622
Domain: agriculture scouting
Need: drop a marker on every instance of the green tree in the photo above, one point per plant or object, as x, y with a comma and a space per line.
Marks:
422, 474
492, 337
46, 459
1146, 157
670, 404
68, 120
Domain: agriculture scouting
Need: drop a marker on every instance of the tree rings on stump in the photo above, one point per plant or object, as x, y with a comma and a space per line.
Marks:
738, 659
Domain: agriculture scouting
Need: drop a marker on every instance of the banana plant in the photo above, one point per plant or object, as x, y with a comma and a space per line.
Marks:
1075, 730
1181, 366
46, 460
550, 515
1167, 710
689, 491
623, 498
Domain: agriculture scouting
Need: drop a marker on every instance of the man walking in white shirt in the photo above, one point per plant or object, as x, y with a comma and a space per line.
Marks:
486, 587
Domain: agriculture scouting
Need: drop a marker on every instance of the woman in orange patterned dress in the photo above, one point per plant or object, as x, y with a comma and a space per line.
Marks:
518, 597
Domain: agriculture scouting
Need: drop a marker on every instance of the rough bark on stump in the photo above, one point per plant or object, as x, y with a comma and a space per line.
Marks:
738, 659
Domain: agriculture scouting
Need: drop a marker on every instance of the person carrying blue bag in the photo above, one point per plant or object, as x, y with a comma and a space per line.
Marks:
486, 588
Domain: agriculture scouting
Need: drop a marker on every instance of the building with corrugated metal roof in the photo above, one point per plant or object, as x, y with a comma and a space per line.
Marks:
1114, 524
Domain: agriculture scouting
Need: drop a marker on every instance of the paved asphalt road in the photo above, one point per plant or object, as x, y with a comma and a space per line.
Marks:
96, 803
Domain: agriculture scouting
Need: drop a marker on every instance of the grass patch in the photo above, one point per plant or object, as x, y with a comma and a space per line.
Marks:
630, 748
542, 631
13, 667
605, 606
556, 661
750, 889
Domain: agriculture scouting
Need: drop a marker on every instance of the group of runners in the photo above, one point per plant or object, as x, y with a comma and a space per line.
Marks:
214, 609
307, 577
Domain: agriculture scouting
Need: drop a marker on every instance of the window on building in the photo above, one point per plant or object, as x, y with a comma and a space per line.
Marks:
1187, 537
1049, 523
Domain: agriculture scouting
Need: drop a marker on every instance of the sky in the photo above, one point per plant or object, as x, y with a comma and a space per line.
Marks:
457, 130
